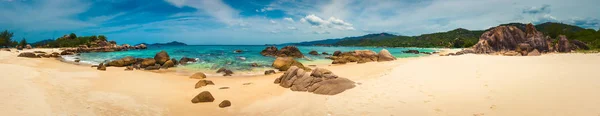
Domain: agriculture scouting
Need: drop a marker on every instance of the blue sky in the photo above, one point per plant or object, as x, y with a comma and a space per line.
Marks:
275, 21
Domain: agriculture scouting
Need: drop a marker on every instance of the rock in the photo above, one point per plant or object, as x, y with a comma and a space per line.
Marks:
28, 46
290, 51
202, 83
5, 49
535, 52
228, 73
220, 70
524, 48
224, 103
313, 53
198, 75
155, 67
501, 38
147, 62
269, 51
535, 39
66, 53
361, 56
320, 81
269, 72
28, 55
563, 44
174, 61
77, 60
385, 55
122, 62
254, 64
284, 63
101, 67
237, 51
579, 45
224, 88
511, 53
337, 53
549, 43
161, 57
185, 60
325, 53
204, 96
168, 64
129, 68
412, 51
55, 54
39, 52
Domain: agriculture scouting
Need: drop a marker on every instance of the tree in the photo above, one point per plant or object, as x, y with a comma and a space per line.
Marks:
23, 42
72, 36
102, 37
5, 38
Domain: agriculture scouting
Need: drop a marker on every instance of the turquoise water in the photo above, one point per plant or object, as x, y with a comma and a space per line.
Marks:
212, 57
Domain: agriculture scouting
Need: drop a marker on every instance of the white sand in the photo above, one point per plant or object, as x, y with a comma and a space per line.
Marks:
553, 84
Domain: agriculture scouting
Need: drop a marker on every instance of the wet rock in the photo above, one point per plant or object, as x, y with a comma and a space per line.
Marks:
313, 53
254, 64
28, 55
101, 67
168, 64
411, 51
185, 60
204, 96
161, 57
269, 72
122, 62
284, 63
385, 55
198, 75
155, 67
237, 51
202, 83
225, 103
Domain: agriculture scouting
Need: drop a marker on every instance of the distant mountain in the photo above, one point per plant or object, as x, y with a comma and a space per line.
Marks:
457, 38
42, 42
173, 43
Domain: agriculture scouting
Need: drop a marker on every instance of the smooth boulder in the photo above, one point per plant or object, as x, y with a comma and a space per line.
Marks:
202, 83
320, 81
204, 96
225, 103
198, 75
385, 55
28, 55
284, 63
161, 57
122, 62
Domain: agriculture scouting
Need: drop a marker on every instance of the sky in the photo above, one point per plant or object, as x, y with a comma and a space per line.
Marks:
257, 22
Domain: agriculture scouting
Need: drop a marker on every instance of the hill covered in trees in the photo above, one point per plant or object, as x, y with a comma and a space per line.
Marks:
458, 38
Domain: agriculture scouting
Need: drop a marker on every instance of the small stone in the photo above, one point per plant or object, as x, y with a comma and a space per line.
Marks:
202, 83
224, 88
225, 103
198, 75
246, 83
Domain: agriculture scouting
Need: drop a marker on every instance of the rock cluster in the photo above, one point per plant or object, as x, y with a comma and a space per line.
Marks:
287, 51
361, 56
319, 81
284, 63
39, 54
160, 60
103, 46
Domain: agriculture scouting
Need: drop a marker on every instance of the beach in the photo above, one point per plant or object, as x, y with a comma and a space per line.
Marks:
551, 84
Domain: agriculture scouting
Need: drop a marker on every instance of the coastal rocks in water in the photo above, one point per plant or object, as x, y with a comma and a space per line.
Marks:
28, 55
319, 82
77, 60
185, 60
161, 57
122, 62
563, 44
284, 63
313, 53
202, 83
385, 55
269, 72
155, 67
337, 53
269, 51
237, 51
147, 62
198, 75
411, 51
325, 53
254, 65
204, 96
101, 67
225, 103
174, 61
535, 52
168, 64
579, 45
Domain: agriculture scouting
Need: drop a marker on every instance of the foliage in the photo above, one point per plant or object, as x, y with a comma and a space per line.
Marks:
5, 38
71, 40
23, 42
457, 38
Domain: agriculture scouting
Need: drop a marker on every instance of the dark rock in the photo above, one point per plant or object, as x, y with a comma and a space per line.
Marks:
501, 38
225, 103
198, 75
168, 64
313, 53
535, 52
237, 51
579, 45
202, 83
204, 96
155, 67
147, 62
511, 53
28, 55
77, 60
269, 51
174, 61
101, 67
284, 63
411, 51
269, 72
161, 57
337, 53
325, 53
254, 64
227, 73
563, 44
122, 62
185, 60
290, 51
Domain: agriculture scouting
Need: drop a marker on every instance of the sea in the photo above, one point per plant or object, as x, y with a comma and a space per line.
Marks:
212, 57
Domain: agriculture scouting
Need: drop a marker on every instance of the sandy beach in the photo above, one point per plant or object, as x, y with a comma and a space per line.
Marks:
466, 85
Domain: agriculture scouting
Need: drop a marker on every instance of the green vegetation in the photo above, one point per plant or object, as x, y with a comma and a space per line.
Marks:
23, 42
70, 40
6, 39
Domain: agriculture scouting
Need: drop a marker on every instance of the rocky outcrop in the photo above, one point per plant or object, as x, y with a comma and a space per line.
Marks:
147, 62
168, 64
320, 81
524, 48
579, 45
101, 67
127, 61
563, 44
385, 55
360, 56
161, 57
535, 39
155, 67
501, 38
198, 75
287, 51
535, 52
204, 96
224, 103
284, 63
313, 53
28, 55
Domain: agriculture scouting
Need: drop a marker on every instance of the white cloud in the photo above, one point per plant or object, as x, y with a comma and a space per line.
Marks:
536, 10
332, 22
288, 19
292, 28
321, 32
265, 9
272, 22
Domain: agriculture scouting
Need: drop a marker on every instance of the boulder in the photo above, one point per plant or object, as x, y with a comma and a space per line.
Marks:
5, 49
535, 39
579, 45
269, 51
225, 103
411, 51
385, 55
28, 46
28, 55
168, 64
269, 72
129, 68
122, 62
254, 65
198, 75
237, 51
563, 44
290, 51
66, 53
101, 67
227, 73
202, 83
320, 81
185, 60
501, 38
147, 62
174, 61
535, 52
220, 70
284, 63
313, 53
155, 67
161, 57
511, 53
39, 52
361, 56
55, 54
325, 53
524, 48
77, 60
337, 53
204, 96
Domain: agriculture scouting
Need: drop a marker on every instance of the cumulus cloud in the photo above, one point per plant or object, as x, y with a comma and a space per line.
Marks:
332, 22
537, 10
590, 23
